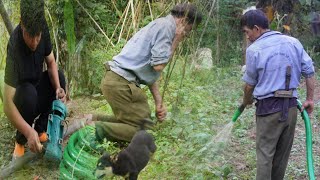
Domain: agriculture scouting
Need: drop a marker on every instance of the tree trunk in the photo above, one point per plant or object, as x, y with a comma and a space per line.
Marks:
5, 18
9, 27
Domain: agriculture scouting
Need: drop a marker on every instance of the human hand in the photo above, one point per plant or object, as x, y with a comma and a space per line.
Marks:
34, 142
247, 102
60, 94
161, 112
308, 105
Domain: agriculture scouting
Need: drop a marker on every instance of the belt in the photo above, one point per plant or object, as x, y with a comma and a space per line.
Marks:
107, 68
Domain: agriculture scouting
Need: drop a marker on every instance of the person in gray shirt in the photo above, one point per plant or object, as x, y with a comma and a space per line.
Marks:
141, 61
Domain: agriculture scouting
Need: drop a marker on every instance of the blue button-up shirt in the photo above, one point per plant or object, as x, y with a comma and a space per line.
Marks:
266, 62
148, 47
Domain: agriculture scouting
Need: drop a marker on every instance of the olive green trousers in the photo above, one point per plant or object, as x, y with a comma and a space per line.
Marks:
273, 142
129, 104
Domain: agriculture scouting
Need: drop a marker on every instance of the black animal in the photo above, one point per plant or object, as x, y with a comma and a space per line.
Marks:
131, 160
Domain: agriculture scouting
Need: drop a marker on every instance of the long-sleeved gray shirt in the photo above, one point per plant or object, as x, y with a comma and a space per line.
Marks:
148, 47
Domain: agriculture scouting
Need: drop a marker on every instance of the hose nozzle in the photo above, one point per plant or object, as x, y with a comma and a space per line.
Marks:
238, 112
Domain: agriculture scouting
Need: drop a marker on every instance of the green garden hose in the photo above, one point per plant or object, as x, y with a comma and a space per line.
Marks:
307, 124
78, 161
76, 152
306, 119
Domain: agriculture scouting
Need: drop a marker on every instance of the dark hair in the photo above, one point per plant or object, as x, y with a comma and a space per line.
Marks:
254, 17
189, 11
32, 16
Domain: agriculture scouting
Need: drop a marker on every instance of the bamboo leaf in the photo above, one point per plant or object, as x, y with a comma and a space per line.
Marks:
80, 45
69, 26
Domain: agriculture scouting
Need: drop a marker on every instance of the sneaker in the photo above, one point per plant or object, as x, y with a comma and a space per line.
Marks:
43, 137
18, 151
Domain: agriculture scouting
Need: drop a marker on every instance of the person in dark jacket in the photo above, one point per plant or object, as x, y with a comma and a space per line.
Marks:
28, 91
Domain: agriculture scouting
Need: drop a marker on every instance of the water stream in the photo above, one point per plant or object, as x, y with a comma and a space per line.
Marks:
218, 142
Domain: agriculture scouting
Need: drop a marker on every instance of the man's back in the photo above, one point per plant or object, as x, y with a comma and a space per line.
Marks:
268, 58
148, 47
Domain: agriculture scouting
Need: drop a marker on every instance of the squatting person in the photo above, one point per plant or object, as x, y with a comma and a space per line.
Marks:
28, 91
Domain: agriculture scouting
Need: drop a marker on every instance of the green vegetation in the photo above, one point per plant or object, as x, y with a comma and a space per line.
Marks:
200, 102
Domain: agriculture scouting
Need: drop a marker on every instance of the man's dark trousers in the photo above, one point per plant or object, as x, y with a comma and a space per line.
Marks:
33, 100
274, 141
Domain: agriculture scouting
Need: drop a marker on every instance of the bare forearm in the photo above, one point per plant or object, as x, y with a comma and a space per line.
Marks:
13, 114
16, 119
53, 71
247, 97
154, 89
310, 87
54, 76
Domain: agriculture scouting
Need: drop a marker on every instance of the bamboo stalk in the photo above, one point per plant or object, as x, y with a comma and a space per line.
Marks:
132, 14
9, 27
6, 18
124, 22
115, 29
114, 5
138, 15
181, 83
169, 73
128, 33
205, 27
218, 35
149, 5
165, 10
96, 23
54, 36
206, 24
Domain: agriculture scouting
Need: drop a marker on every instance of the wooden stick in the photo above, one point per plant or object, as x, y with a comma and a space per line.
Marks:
132, 14
165, 10
114, 5
124, 22
115, 29
128, 32
17, 164
137, 15
55, 37
149, 5
9, 27
95, 23
6, 18
205, 27
218, 35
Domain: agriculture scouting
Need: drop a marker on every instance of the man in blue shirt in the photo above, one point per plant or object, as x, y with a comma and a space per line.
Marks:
274, 65
140, 62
